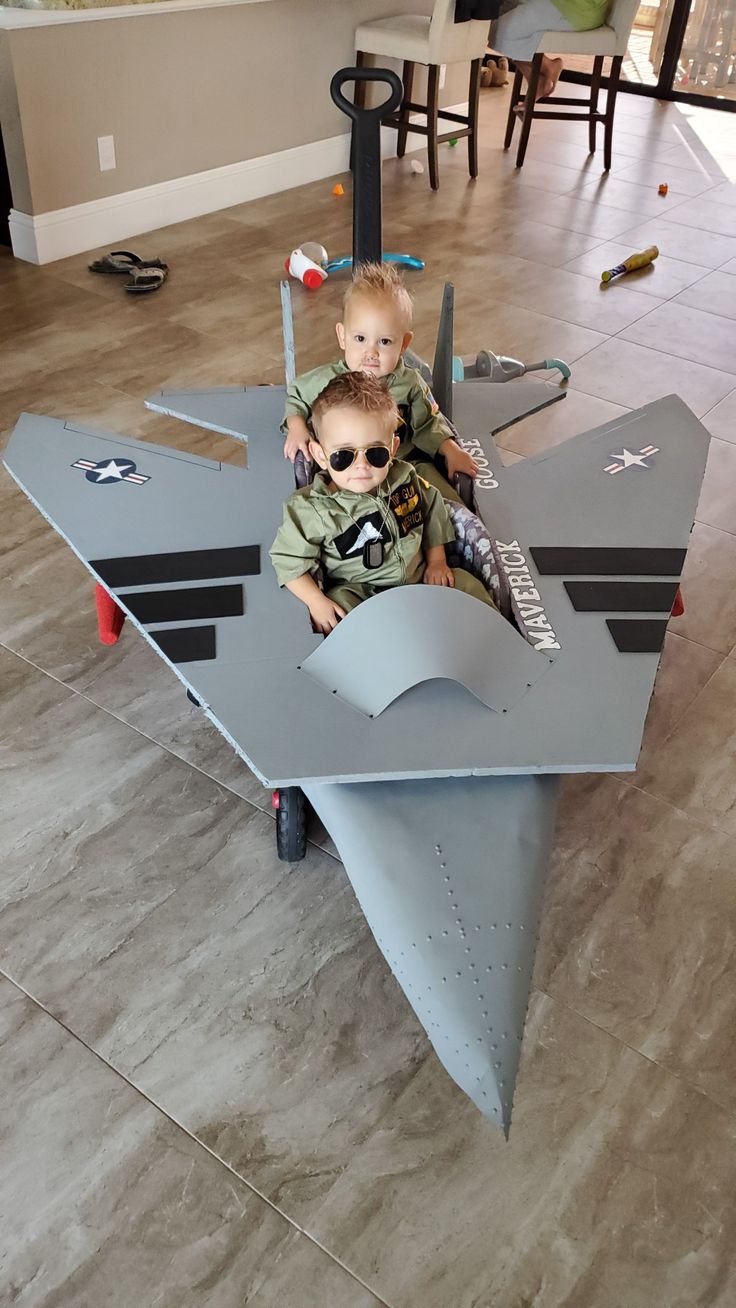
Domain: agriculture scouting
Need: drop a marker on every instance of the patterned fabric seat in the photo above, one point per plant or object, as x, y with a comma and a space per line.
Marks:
474, 550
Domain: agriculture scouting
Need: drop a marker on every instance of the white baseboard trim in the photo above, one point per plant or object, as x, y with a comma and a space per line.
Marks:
44, 237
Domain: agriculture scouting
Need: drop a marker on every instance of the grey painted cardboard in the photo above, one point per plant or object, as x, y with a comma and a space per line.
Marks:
450, 876
585, 714
246, 411
448, 860
446, 635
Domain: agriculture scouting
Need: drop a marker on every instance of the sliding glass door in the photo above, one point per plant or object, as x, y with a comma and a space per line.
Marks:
679, 50
706, 64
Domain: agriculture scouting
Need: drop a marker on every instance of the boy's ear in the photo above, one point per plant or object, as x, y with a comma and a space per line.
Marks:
408, 338
395, 443
340, 329
317, 453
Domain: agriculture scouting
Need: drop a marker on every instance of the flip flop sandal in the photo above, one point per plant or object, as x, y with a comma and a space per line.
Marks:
122, 261
149, 277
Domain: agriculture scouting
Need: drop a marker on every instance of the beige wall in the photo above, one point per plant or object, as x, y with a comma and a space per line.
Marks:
181, 92
12, 132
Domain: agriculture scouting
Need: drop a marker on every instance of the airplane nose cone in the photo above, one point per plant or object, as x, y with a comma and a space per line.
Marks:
466, 970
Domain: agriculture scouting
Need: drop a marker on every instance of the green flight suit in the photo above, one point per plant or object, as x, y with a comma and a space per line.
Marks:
329, 528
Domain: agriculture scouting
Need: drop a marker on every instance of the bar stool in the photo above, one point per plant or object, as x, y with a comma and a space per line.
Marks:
435, 40
611, 38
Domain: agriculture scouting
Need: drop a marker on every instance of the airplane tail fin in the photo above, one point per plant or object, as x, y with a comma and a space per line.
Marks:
442, 366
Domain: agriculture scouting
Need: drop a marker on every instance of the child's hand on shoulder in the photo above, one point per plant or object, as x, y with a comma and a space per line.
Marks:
325, 614
297, 438
458, 460
437, 573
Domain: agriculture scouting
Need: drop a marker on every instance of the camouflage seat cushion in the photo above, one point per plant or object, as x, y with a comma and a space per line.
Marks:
474, 550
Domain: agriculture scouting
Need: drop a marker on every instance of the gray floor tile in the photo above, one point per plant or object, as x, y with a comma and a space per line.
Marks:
708, 213
256, 1008
104, 1200
617, 1177
663, 278
714, 293
638, 918
688, 333
678, 241
721, 419
619, 368
717, 506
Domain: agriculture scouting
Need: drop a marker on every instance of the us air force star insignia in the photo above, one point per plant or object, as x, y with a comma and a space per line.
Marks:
110, 470
626, 459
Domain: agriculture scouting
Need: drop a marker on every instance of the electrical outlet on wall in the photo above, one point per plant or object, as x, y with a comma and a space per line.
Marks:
443, 71
106, 153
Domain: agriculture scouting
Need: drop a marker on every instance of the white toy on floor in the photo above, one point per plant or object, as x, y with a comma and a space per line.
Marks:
307, 264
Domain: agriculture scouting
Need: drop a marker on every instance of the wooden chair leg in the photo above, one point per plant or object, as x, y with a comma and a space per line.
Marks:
595, 86
433, 99
511, 120
615, 73
473, 103
407, 78
529, 102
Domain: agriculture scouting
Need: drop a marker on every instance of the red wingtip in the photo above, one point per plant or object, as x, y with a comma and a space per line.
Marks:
110, 617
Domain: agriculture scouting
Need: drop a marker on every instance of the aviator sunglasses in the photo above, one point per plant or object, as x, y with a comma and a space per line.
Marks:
377, 456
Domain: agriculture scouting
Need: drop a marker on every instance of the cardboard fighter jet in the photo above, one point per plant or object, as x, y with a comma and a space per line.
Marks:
427, 731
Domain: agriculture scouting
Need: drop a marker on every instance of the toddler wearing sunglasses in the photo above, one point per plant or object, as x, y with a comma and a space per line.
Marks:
368, 520
374, 334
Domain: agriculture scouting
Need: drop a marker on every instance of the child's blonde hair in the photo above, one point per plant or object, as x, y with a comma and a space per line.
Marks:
381, 281
356, 390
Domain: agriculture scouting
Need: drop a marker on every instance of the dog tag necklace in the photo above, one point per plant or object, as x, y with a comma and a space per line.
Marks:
374, 551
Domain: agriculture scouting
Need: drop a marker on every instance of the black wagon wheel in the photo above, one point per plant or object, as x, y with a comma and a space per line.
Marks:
291, 824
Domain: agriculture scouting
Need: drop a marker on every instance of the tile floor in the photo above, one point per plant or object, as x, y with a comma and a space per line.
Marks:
213, 1092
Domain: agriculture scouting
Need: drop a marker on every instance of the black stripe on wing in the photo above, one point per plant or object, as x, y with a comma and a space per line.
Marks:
183, 565
186, 644
638, 635
622, 596
597, 561
187, 604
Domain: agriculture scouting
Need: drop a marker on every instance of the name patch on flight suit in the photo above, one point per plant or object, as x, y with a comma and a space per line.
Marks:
406, 504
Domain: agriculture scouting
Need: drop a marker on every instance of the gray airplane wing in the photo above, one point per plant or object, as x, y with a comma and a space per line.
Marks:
180, 541
243, 411
592, 536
